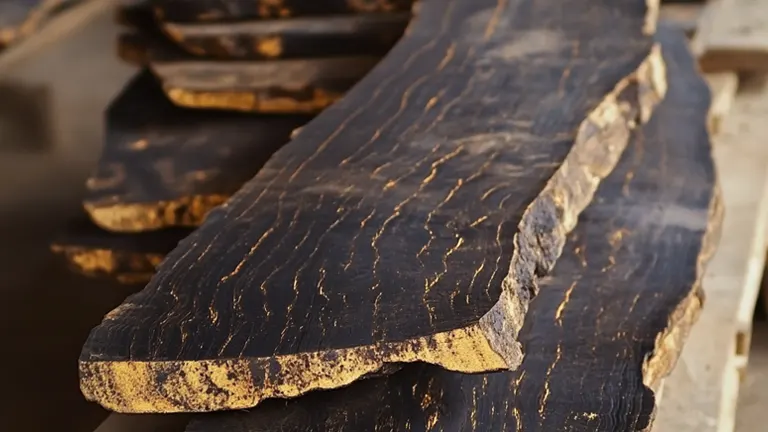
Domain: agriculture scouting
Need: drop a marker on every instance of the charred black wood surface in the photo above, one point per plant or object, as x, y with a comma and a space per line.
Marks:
164, 166
128, 258
607, 325
344, 35
408, 222
230, 10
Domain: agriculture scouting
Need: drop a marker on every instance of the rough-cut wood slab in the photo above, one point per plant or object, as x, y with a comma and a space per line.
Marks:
408, 222
274, 86
734, 36
166, 166
129, 258
701, 393
19, 19
344, 35
606, 326
228, 10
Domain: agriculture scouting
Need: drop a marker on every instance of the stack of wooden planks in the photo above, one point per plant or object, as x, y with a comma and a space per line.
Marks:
504, 225
181, 138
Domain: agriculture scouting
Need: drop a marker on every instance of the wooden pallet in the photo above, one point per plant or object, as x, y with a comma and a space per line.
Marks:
701, 394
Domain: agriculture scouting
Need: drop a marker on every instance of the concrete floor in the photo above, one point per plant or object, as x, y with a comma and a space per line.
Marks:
51, 109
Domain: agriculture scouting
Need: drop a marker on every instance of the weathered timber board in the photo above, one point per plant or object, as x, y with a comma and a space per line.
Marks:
385, 230
20, 18
228, 10
164, 166
607, 325
266, 86
344, 35
128, 258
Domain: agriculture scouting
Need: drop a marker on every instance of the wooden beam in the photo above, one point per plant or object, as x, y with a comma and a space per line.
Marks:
165, 166
408, 222
607, 326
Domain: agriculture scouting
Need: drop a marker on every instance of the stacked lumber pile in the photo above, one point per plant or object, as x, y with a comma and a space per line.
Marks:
219, 92
503, 226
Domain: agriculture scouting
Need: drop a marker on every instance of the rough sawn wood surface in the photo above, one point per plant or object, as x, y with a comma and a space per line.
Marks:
408, 222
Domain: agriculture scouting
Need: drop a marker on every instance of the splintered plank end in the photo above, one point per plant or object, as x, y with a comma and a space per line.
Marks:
411, 221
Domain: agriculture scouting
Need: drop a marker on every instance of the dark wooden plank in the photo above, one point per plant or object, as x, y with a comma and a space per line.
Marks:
128, 258
408, 222
228, 10
344, 35
275, 86
607, 325
166, 166
19, 19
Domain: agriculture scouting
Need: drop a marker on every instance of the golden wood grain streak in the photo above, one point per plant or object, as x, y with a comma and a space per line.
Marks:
563, 304
133, 217
447, 57
370, 101
363, 223
133, 386
494, 21
459, 183
264, 236
498, 259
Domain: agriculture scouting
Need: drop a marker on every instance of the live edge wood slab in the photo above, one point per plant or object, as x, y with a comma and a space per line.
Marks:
343, 35
128, 258
408, 222
229, 10
165, 166
279, 86
607, 326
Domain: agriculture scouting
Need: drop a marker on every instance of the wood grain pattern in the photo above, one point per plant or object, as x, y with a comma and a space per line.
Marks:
229, 10
128, 258
344, 35
19, 19
408, 222
281, 86
607, 325
165, 166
